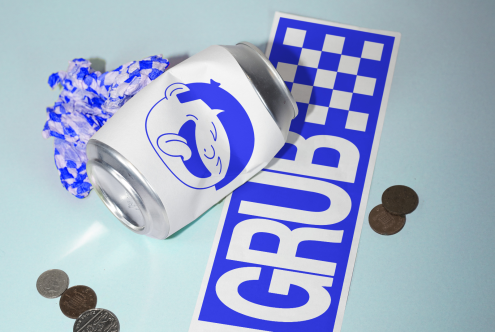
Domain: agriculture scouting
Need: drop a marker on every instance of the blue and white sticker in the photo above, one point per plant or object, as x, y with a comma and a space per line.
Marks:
285, 247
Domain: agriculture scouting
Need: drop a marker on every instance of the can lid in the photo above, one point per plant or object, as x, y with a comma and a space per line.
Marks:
276, 76
267, 83
125, 191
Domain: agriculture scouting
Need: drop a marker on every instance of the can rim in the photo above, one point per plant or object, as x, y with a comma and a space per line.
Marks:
276, 74
154, 214
116, 211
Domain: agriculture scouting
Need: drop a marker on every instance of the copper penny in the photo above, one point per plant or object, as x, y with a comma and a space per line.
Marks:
385, 223
400, 200
77, 300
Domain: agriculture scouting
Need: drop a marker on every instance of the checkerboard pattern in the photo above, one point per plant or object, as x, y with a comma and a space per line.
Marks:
331, 73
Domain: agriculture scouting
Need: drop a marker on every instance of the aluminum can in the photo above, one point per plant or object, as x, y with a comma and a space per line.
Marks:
190, 138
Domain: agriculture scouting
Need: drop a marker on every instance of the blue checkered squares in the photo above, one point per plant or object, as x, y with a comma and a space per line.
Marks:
345, 82
329, 71
305, 75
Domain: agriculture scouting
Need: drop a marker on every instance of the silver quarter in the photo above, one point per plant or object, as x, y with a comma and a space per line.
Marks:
100, 320
52, 283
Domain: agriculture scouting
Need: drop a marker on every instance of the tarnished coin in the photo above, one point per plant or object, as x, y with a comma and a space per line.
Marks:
52, 283
385, 223
77, 300
97, 320
400, 200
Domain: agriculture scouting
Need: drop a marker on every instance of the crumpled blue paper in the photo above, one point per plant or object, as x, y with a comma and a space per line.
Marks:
87, 100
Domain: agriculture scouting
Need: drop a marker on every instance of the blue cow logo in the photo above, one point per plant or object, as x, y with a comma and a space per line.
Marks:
201, 133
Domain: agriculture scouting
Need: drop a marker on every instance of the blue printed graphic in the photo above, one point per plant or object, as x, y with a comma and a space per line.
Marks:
337, 77
201, 133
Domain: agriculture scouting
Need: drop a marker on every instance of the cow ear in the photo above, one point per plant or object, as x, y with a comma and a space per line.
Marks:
175, 89
174, 146
217, 111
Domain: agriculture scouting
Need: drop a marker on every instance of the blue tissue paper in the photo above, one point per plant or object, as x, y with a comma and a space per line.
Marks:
87, 100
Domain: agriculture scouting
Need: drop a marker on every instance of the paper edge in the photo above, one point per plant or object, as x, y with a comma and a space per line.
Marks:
211, 258
279, 15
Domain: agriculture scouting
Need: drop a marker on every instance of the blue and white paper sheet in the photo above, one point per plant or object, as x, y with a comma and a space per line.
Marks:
286, 244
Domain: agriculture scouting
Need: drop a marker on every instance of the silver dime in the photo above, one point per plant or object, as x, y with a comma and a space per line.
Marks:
52, 283
100, 320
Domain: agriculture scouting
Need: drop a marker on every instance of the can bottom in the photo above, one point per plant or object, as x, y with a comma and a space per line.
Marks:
125, 191
116, 193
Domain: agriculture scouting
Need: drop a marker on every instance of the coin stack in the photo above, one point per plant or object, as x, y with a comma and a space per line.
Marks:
77, 302
389, 217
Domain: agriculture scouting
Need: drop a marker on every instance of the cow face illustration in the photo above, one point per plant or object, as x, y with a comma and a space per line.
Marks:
201, 133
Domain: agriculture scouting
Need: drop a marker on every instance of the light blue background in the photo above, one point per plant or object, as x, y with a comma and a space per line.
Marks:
435, 275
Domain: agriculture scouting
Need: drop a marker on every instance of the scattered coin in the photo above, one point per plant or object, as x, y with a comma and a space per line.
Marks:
77, 300
400, 200
100, 320
52, 283
385, 223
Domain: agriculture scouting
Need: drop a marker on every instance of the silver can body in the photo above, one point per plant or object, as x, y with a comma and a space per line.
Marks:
189, 138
